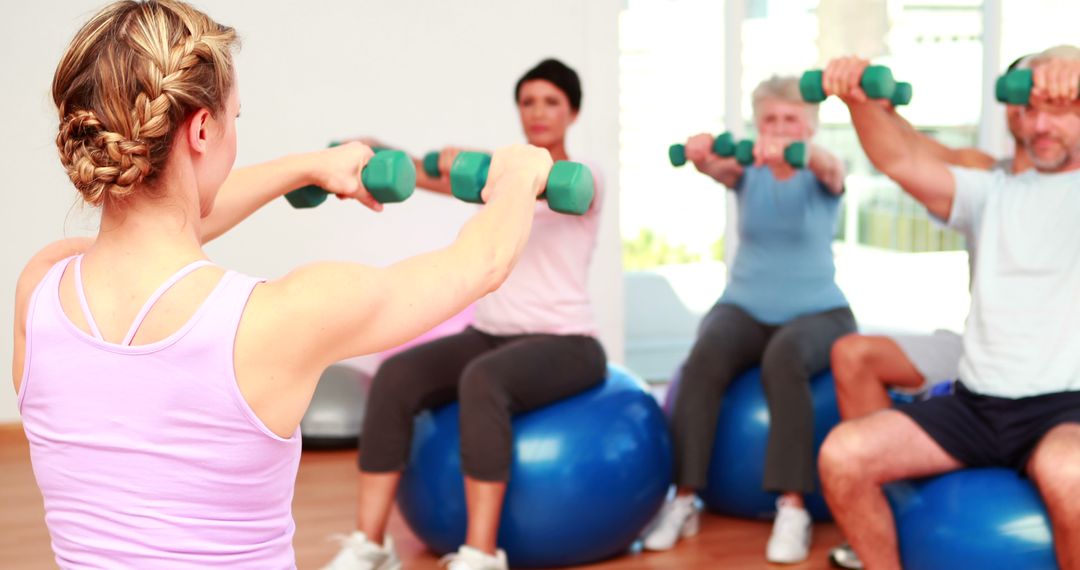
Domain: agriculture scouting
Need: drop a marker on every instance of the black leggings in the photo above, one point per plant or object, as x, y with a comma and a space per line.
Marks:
730, 342
492, 376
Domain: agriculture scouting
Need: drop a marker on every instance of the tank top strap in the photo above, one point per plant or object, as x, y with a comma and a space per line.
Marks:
90, 322
141, 316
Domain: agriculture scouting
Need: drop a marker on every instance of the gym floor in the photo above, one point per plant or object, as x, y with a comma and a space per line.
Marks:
325, 492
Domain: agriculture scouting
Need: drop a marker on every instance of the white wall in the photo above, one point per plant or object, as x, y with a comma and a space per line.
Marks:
417, 74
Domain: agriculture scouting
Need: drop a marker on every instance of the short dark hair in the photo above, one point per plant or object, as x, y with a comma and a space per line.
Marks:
560, 75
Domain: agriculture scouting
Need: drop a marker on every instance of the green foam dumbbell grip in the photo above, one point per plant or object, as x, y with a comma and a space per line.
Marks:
877, 81
389, 177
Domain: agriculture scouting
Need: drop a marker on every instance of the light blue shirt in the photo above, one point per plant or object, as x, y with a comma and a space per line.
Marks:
784, 265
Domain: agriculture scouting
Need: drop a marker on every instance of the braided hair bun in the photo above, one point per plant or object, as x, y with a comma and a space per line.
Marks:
129, 79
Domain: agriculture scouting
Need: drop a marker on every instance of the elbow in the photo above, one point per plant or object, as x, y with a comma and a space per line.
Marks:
493, 280
498, 261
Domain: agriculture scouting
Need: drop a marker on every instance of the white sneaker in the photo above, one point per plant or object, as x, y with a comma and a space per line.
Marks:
790, 540
679, 518
359, 553
469, 558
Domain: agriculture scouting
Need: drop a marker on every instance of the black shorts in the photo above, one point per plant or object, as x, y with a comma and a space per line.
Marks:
986, 431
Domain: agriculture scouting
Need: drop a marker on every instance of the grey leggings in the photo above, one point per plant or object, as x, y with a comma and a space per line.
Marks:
492, 376
730, 342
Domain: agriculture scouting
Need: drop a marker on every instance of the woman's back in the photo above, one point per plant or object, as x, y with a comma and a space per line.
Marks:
172, 442
147, 455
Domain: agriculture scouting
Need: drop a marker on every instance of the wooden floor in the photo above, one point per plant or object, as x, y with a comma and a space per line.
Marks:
325, 491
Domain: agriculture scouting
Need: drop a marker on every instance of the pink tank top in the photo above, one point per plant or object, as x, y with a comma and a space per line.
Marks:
149, 456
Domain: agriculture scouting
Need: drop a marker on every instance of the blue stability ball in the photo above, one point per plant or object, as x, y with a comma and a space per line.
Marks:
737, 466
588, 474
972, 518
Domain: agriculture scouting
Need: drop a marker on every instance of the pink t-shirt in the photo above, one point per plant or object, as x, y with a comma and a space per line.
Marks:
547, 293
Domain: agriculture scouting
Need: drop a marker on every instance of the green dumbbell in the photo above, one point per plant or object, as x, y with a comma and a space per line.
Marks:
390, 176
794, 154
1014, 88
723, 145
877, 81
569, 188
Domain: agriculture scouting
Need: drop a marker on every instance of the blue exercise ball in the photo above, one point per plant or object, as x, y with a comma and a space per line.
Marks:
588, 475
737, 465
972, 518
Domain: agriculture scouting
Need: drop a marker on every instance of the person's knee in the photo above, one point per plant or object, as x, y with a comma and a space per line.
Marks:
480, 385
846, 455
850, 352
788, 359
836, 450
1055, 465
397, 384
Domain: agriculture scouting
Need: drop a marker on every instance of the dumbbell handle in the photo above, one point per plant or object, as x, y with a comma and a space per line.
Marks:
877, 81
389, 177
723, 145
1014, 88
569, 188
795, 154
430, 163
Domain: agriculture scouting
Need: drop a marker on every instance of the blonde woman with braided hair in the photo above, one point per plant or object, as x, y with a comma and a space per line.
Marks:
161, 395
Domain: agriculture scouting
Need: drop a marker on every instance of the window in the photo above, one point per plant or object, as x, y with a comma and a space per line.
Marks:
1034, 25
900, 270
672, 86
